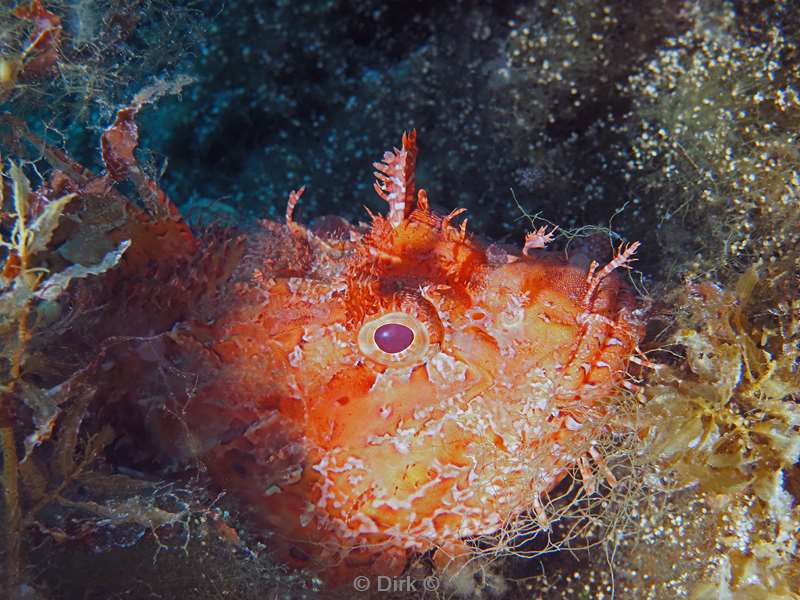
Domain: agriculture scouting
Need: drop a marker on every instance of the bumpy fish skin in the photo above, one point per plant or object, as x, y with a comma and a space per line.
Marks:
357, 457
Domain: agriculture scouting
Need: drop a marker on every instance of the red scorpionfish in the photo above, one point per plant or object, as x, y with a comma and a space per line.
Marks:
386, 390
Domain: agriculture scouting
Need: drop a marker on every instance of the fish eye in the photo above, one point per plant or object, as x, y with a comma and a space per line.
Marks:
395, 339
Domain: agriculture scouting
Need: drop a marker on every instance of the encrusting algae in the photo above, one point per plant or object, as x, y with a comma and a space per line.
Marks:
724, 435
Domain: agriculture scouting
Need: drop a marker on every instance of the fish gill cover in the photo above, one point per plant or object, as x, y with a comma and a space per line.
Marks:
291, 404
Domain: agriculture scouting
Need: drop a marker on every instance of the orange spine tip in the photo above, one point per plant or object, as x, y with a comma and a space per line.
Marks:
395, 177
622, 259
538, 238
294, 198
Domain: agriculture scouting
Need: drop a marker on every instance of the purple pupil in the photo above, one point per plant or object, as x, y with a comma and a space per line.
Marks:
393, 337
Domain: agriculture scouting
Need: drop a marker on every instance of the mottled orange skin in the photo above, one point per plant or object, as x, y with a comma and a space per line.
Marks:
354, 462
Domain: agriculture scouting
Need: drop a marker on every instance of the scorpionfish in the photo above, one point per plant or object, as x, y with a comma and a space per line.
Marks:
387, 389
